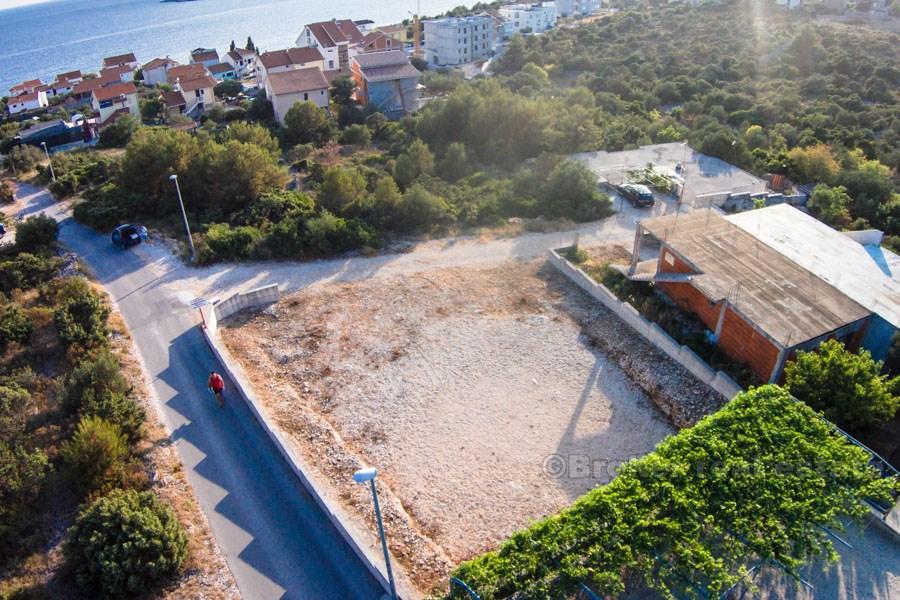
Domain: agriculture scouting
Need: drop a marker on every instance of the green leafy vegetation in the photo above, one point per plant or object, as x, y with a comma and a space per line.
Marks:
762, 479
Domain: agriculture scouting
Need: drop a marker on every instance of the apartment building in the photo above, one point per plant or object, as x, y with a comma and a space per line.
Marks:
459, 40
529, 18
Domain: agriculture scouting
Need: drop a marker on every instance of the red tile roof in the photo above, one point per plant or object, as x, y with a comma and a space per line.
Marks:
331, 33
196, 83
291, 56
92, 83
25, 86
221, 68
69, 75
26, 97
114, 91
159, 62
174, 99
204, 54
186, 72
117, 71
119, 59
297, 80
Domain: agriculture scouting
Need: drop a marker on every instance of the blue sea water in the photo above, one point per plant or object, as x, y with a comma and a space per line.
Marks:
41, 40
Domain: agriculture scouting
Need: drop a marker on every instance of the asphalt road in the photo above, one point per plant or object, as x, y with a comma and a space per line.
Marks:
275, 538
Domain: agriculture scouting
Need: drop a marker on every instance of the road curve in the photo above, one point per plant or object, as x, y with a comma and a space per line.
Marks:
274, 536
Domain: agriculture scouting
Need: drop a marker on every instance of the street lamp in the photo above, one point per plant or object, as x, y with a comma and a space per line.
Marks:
367, 475
49, 162
184, 215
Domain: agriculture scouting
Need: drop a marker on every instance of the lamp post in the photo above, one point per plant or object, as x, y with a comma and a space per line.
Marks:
49, 162
367, 475
184, 216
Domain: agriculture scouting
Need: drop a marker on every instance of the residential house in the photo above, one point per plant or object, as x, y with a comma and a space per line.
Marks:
121, 60
279, 61
577, 8
337, 40
378, 41
397, 32
222, 71
179, 72
528, 18
175, 103
365, 25
459, 40
157, 70
122, 73
60, 87
114, 100
286, 88
198, 93
771, 282
204, 56
386, 81
26, 101
26, 87
73, 76
83, 90
243, 61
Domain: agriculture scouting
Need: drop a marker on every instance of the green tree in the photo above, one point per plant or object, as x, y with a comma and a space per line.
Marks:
119, 133
306, 123
228, 88
847, 388
7, 193
417, 160
455, 164
125, 544
96, 455
420, 210
832, 205
571, 191
152, 155
251, 133
342, 90
229, 176
153, 110
15, 326
260, 109
813, 164
23, 158
81, 321
357, 135
514, 57
36, 233
250, 45
340, 188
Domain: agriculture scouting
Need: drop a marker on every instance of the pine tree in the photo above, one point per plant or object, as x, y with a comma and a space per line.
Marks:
250, 45
231, 47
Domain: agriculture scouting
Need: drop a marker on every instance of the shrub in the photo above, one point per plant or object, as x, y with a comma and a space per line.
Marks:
327, 233
276, 206
97, 388
420, 210
119, 133
26, 270
22, 474
306, 123
341, 187
357, 135
81, 321
14, 326
7, 194
228, 88
23, 158
232, 243
96, 455
124, 544
107, 207
571, 191
36, 233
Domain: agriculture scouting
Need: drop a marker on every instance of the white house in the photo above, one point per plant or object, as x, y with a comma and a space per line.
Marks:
287, 88
197, 92
121, 72
114, 100
121, 60
243, 62
534, 18
577, 8
156, 71
205, 56
337, 40
459, 40
26, 87
222, 71
27, 101
279, 61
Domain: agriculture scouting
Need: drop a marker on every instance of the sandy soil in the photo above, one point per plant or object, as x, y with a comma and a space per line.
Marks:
465, 387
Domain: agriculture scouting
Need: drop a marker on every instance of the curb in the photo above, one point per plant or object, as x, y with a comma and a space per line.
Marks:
352, 533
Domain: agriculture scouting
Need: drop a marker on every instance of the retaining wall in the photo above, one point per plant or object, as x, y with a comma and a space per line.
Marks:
254, 298
683, 355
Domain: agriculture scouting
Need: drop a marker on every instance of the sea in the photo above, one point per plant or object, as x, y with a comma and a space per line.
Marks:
41, 40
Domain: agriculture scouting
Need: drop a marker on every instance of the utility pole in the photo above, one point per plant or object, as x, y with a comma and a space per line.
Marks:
49, 162
187, 227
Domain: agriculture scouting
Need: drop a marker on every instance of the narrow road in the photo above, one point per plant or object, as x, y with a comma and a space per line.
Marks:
274, 536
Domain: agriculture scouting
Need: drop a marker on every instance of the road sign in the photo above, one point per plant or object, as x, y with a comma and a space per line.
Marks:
198, 302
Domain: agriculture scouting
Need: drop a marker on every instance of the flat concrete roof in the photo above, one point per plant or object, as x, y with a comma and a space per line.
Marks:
789, 303
707, 179
869, 274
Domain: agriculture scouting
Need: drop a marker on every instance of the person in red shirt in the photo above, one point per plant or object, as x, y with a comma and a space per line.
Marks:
216, 385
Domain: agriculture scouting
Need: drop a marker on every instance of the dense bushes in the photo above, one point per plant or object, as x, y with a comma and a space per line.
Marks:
761, 478
79, 172
24, 270
15, 326
23, 158
96, 455
81, 320
124, 544
36, 233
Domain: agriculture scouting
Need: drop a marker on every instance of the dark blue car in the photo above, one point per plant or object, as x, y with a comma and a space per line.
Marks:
128, 235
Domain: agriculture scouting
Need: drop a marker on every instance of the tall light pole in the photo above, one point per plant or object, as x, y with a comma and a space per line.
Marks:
184, 216
49, 162
367, 475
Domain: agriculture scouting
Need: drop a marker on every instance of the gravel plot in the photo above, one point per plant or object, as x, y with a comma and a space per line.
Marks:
458, 384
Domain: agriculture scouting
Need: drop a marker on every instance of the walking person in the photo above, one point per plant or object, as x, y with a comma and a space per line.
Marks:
216, 385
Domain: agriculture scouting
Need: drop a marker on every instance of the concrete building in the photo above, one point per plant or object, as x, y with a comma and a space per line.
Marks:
243, 61
222, 71
185, 72
198, 93
156, 71
26, 87
280, 61
121, 60
386, 81
286, 88
204, 56
528, 18
459, 40
115, 100
337, 40
121, 72
771, 282
26, 101
577, 8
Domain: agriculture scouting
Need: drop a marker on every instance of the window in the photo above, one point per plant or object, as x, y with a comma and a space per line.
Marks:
330, 64
305, 96
670, 260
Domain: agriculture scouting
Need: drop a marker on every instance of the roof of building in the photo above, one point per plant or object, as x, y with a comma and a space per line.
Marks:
385, 66
114, 90
291, 56
25, 86
196, 83
297, 80
26, 97
331, 33
244, 52
92, 83
159, 62
119, 59
76, 74
221, 68
59, 84
789, 303
857, 266
204, 54
116, 71
174, 99
186, 72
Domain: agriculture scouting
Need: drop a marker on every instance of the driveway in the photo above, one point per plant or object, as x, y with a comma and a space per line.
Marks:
274, 536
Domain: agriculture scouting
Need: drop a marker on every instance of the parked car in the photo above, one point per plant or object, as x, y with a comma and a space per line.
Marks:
640, 196
128, 235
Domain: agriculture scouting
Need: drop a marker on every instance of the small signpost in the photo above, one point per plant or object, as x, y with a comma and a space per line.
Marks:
199, 303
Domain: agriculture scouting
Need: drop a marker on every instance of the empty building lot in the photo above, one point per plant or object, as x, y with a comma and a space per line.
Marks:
485, 397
